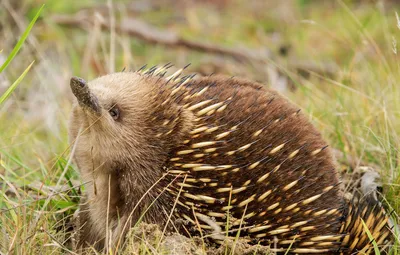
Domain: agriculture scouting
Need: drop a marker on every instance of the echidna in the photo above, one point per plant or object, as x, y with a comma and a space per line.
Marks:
212, 149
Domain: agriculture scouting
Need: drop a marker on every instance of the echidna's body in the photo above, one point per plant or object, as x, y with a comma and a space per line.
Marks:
214, 149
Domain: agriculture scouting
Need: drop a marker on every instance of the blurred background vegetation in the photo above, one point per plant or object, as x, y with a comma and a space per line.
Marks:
337, 60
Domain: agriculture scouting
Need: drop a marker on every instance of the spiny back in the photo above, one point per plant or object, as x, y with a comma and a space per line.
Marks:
254, 156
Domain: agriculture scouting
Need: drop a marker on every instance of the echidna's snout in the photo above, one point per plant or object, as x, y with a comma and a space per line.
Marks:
86, 99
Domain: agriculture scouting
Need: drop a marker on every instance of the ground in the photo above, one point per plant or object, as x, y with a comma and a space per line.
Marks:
337, 60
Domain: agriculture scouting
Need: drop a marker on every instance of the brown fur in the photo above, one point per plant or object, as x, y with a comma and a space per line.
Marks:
149, 161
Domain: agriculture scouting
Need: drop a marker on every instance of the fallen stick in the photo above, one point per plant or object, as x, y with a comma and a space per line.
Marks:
146, 32
86, 19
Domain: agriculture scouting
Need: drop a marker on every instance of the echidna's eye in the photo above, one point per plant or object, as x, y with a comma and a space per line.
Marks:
114, 112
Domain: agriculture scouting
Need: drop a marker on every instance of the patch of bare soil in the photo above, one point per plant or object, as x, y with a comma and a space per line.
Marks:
147, 239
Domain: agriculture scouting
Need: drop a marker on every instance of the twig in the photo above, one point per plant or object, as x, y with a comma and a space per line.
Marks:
146, 32
87, 19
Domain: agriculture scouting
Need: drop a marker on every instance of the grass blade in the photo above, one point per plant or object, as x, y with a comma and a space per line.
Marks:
371, 238
14, 85
20, 41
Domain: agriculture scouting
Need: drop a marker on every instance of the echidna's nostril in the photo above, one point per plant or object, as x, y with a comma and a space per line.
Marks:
78, 81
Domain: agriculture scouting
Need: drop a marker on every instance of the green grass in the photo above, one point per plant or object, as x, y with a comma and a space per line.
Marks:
21, 41
12, 55
357, 110
371, 238
14, 85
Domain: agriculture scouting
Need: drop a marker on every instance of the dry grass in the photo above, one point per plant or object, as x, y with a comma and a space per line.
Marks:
357, 109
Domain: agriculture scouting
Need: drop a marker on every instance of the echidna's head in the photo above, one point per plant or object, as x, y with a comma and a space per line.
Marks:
108, 120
